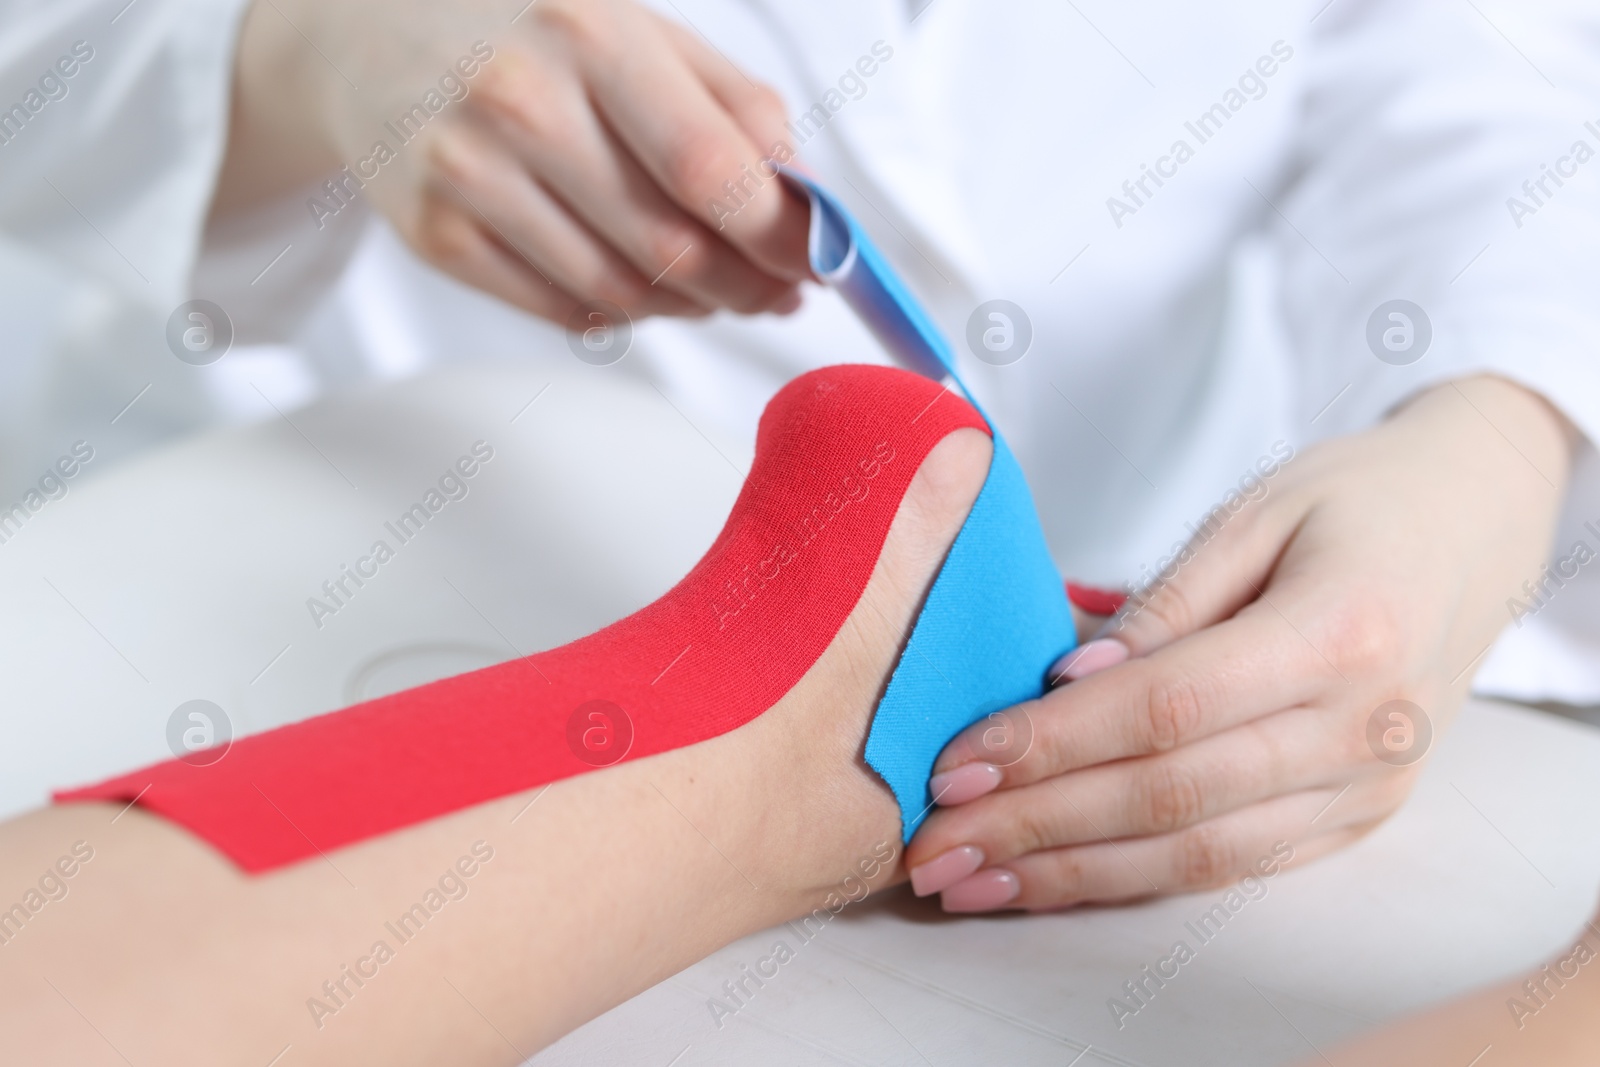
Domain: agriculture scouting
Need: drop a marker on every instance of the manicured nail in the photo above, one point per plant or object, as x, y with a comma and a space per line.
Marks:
1086, 659
945, 870
984, 891
1094, 599
967, 782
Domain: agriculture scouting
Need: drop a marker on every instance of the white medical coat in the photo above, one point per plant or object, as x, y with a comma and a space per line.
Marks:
1199, 209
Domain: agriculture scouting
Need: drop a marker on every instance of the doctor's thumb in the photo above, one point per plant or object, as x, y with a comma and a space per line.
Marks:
1224, 566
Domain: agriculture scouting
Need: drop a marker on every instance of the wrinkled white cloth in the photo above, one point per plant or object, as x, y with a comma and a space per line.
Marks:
105, 178
1334, 157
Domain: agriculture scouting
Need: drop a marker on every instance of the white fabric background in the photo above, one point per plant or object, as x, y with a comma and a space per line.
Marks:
1224, 315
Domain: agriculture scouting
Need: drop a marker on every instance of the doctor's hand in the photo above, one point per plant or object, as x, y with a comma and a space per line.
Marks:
1240, 717
577, 152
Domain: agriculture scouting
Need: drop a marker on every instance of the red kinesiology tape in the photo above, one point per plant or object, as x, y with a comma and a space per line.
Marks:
835, 452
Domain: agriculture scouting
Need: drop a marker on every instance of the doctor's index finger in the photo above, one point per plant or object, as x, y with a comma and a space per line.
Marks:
701, 127
1223, 675
758, 109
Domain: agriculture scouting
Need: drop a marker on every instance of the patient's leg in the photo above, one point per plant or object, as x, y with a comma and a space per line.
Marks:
835, 454
597, 887
1549, 1017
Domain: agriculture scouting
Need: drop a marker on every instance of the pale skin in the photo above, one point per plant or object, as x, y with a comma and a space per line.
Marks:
604, 884
1483, 1030
164, 952
581, 163
1377, 568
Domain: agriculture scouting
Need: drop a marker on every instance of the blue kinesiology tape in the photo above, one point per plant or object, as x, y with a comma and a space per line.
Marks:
997, 615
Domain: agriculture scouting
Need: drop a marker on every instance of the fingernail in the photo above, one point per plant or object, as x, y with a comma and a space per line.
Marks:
1086, 659
789, 304
967, 782
945, 869
984, 891
1095, 600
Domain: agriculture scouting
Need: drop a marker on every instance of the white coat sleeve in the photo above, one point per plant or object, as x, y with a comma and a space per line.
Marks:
1450, 157
113, 121
110, 168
